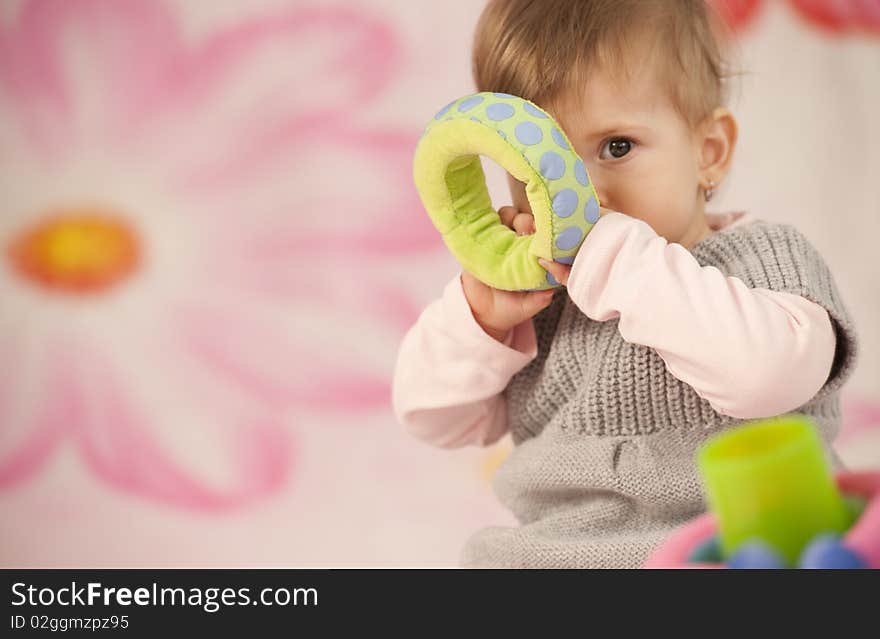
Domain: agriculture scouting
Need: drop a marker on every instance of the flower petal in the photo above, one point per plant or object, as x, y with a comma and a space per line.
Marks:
738, 14
156, 433
38, 403
330, 191
287, 358
841, 16
298, 65
79, 69
104, 72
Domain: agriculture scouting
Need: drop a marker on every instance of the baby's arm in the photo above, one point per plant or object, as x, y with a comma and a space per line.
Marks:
450, 374
748, 352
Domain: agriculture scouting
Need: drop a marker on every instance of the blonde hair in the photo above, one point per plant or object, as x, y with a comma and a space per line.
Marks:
537, 49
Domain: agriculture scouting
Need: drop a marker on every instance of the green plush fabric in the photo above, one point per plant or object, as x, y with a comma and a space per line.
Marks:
528, 144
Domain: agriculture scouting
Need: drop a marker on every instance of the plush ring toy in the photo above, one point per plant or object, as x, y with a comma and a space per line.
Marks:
525, 141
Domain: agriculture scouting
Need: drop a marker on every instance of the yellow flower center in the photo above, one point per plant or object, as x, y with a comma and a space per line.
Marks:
84, 250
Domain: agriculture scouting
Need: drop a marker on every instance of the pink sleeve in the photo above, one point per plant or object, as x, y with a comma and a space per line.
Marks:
449, 374
749, 352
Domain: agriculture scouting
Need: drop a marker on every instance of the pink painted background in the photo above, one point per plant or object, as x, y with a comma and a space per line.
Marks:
227, 404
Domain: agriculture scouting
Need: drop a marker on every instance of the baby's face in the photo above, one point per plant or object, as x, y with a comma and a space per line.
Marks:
641, 155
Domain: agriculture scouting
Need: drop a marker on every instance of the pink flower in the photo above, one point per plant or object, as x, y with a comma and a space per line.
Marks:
841, 16
737, 13
186, 228
832, 16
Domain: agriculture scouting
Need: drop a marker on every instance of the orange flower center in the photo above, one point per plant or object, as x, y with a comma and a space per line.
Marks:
84, 250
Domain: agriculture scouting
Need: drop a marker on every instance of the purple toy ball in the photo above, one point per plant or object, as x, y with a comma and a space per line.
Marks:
828, 552
756, 555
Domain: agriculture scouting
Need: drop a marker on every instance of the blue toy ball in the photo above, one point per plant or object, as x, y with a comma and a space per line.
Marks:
827, 551
756, 555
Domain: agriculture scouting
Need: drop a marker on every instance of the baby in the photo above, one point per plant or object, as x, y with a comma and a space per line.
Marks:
674, 324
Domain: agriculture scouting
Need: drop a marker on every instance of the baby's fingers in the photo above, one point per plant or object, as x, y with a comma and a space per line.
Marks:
557, 270
524, 224
507, 213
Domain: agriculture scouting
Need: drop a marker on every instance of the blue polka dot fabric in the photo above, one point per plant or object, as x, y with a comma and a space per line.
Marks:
498, 112
552, 165
565, 202
531, 109
528, 133
569, 238
560, 140
469, 103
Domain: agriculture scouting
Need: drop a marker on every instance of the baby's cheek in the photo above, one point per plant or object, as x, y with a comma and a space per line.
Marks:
664, 211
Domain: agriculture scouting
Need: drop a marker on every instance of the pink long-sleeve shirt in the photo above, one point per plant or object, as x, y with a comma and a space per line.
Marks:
776, 353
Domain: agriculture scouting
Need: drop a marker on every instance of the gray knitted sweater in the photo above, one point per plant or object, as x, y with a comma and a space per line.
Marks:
605, 437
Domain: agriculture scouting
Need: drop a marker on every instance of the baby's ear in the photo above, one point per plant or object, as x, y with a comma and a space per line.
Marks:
518, 194
718, 141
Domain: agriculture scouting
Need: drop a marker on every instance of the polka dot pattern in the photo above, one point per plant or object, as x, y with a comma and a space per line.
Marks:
528, 133
569, 238
470, 103
531, 109
552, 165
570, 204
565, 203
498, 112
560, 140
580, 173
591, 210
443, 111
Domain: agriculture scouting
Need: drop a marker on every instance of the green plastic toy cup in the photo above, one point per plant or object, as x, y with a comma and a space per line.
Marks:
769, 480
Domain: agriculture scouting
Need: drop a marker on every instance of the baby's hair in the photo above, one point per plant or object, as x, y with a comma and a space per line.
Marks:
537, 49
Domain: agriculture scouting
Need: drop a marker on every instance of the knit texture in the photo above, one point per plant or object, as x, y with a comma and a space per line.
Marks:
603, 467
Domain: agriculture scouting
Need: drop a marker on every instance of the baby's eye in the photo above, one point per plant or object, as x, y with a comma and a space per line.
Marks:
616, 148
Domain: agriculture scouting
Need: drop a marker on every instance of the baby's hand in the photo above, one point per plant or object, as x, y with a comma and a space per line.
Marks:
521, 222
524, 224
557, 270
498, 311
